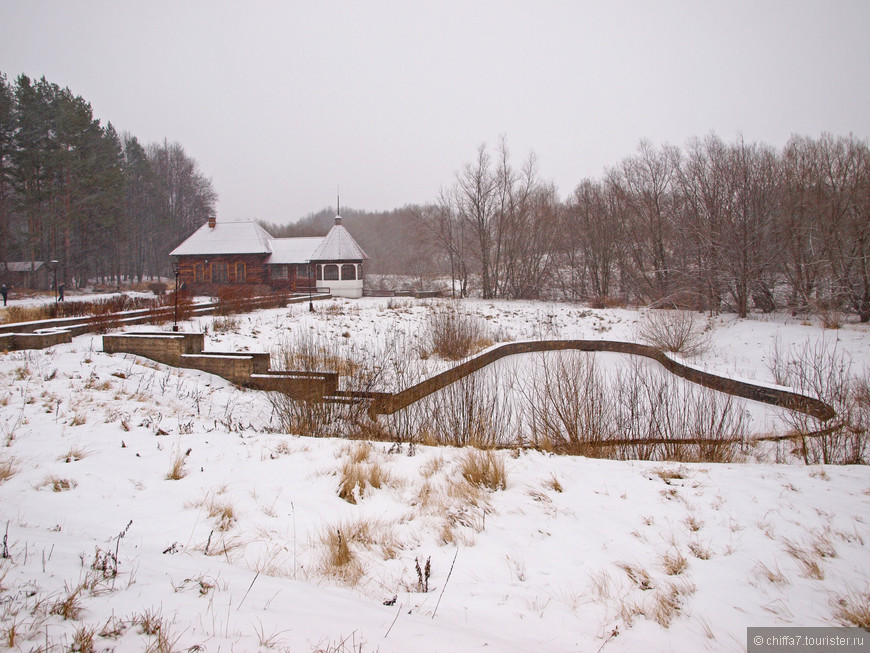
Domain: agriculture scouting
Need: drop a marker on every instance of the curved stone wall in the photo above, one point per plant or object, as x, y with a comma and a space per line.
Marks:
390, 403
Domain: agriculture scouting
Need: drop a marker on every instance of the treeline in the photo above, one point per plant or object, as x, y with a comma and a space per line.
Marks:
72, 190
715, 226
396, 241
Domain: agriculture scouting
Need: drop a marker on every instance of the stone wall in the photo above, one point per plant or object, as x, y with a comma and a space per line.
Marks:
249, 369
237, 369
163, 346
35, 340
388, 404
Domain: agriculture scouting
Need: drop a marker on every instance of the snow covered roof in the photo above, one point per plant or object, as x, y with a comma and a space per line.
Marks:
22, 266
293, 250
339, 245
244, 237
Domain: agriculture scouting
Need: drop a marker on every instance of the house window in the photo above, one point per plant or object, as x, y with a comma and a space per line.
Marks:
197, 273
241, 273
348, 272
330, 272
318, 274
219, 273
279, 272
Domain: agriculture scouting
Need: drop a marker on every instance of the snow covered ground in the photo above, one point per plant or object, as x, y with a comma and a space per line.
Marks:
252, 548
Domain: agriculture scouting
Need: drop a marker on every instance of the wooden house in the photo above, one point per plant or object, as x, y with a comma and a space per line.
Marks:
26, 275
243, 253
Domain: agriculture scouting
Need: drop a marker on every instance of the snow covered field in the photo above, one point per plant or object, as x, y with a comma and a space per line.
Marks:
252, 548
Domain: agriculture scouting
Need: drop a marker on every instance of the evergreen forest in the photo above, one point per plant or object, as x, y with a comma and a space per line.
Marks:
102, 204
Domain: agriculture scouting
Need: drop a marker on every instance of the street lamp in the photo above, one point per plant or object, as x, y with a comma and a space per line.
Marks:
52, 265
175, 270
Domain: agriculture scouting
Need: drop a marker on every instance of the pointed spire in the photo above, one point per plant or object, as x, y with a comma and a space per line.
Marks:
338, 205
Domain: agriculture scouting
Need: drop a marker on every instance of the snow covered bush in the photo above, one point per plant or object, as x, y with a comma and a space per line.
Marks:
821, 370
454, 334
678, 332
633, 412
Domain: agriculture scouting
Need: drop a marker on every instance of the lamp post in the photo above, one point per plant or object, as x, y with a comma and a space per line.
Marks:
52, 265
175, 270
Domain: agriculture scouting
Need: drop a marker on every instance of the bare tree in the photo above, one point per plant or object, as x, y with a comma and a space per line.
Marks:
647, 184
844, 187
799, 229
591, 245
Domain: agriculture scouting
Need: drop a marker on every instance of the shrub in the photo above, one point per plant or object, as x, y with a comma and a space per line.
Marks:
453, 334
820, 370
679, 332
638, 413
225, 324
476, 410
309, 353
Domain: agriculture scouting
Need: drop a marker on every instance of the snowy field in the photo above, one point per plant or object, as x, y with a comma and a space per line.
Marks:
251, 548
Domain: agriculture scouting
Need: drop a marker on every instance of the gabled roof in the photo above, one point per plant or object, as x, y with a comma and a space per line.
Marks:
293, 250
339, 245
243, 237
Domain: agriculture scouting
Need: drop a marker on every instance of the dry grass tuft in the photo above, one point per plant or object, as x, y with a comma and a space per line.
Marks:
338, 550
58, 484
84, 639
7, 468
75, 453
638, 576
357, 477
225, 324
357, 452
668, 474
222, 510
152, 623
673, 563
853, 609
483, 469
807, 558
773, 576
149, 622
176, 468
693, 523
69, 606
700, 551
432, 466
669, 601
340, 561
553, 483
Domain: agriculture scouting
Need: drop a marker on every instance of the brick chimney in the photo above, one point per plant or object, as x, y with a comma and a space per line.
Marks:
212, 221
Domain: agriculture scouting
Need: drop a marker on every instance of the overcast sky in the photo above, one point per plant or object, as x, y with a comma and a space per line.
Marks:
281, 102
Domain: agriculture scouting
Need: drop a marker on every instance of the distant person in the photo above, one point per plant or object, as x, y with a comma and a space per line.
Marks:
5, 292
60, 292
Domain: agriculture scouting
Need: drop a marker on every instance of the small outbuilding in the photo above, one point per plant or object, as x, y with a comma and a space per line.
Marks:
338, 262
243, 253
27, 275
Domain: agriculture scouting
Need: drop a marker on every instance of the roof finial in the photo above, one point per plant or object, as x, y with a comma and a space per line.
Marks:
338, 205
